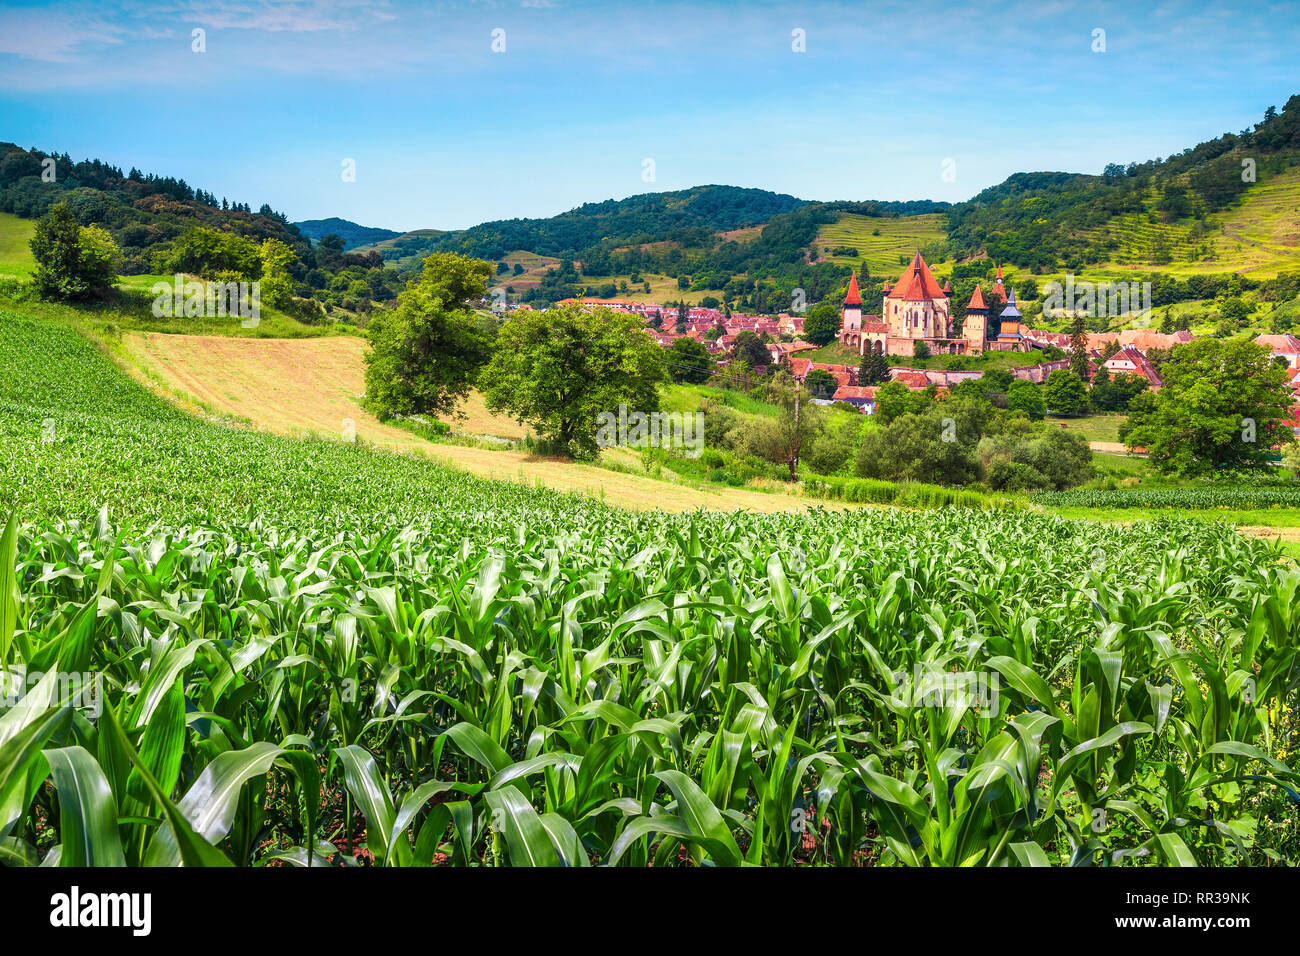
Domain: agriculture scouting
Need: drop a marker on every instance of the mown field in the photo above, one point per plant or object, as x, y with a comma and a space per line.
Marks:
315, 652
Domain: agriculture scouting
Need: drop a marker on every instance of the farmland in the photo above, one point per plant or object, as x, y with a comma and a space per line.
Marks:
878, 240
314, 651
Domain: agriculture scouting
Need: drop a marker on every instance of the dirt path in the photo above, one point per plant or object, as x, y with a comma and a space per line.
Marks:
298, 386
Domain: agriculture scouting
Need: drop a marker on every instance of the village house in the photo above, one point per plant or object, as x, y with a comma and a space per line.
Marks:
1285, 347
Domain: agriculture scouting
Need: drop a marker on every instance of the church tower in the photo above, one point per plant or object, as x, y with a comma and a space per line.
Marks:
975, 329
851, 313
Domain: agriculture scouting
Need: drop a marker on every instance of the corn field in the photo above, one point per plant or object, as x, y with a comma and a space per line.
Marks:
223, 648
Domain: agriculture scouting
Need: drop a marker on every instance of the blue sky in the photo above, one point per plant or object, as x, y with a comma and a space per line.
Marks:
445, 132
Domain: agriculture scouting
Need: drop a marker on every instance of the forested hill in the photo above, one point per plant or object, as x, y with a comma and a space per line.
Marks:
144, 212
351, 233
1051, 221
717, 231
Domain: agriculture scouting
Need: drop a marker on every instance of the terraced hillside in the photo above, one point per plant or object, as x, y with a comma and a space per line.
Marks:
880, 240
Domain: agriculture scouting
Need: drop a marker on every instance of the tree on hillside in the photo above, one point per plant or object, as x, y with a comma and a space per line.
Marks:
689, 361
559, 369
1114, 395
73, 263
821, 326
1065, 393
894, 399
1223, 405
749, 348
276, 282
1079, 348
1027, 397
425, 353
782, 440
874, 368
820, 383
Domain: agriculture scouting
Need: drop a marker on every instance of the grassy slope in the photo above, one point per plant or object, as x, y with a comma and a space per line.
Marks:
898, 237
310, 387
15, 254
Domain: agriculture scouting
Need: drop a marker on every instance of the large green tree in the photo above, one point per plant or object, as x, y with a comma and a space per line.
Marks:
1027, 397
874, 368
820, 383
1065, 393
426, 353
559, 369
73, 263
689, 361
821, 325
1223, 405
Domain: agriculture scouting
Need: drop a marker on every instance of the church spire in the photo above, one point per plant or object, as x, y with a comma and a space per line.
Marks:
853, 297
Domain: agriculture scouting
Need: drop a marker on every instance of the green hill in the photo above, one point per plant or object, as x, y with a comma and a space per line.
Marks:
1226, 205
352, 234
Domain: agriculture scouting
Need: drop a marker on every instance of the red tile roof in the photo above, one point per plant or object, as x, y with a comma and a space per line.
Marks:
977, 300
853, 297
917, 283
845, 392
872, 324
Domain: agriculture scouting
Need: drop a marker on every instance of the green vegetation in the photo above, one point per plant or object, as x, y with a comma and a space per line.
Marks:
492, 675
73, 263
426, 353
561, 370
877, 242
1223, 406
1240, 497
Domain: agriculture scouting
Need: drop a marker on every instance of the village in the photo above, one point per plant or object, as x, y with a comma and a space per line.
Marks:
916, 309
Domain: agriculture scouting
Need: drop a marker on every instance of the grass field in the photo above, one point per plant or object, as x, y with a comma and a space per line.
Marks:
313, 386
898, 236
15, 253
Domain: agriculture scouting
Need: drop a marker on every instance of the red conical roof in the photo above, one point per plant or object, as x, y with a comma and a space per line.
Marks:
947, 289
999, 282
977, 300
917, 283
853, 297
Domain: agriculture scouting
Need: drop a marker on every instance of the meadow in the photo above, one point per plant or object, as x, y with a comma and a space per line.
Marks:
315, 652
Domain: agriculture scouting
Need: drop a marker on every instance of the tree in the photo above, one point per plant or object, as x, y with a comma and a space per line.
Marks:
894, 399
425, 353
781, 440
559, 369
73, 263
921, 351
1114, 395
1223, 405
689, 361
1027, 397
820, 383
821, 325
749, 348
934, 444
874, 368
1078, 348
1065, 393
276, 283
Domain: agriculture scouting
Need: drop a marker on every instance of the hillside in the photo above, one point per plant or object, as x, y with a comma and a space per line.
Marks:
1228, 204
351, 233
